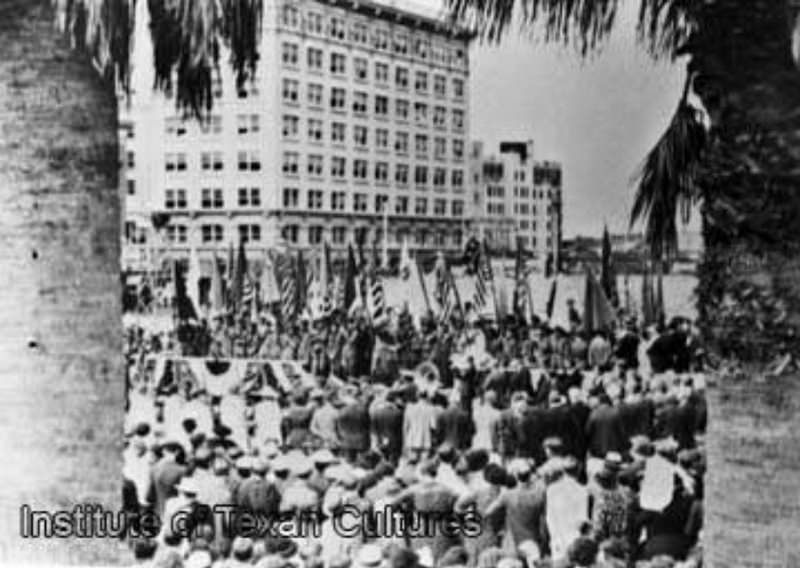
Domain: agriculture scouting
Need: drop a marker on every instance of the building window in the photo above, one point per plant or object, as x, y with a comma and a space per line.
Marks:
381, 105
315, 199
439, 117
361, 68
401, 78
458, 119
290, 126
216, 157
421, 82
458, 208
175, 199
249, 233
360, 202
421, 145
381, 172
290, 90
421, 175
401, 43
401, 142
314, 59
291, 198
289, 233
421, 114
440, 148
337, 29
421, 48
458, 150
338, 99
315, 94
440, 86
360, 136
381, 73
314, 23
205, 161
401, 109
401, 205
314, 165
131, 161
440, 207
177, 233
401, 174
458, 179
338, 63
290, 16
338, 200
380, 203
289, 53
458, 88
359, 102
381, 39
420, 206
249, 197
359, 33
439, 178
360, 169
315, 235
249, 161
338, 167
131, 187
339, 235
315, 130
338, 132
381, 138
211, 198
290, 163
247, 123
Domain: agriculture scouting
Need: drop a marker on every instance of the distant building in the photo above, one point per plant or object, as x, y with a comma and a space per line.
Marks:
359, 110
515, 196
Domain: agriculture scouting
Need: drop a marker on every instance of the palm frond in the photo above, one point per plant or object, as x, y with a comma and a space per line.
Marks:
584, 24
666, 181
665, 26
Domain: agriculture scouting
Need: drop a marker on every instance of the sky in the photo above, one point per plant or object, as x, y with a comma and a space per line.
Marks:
598, 117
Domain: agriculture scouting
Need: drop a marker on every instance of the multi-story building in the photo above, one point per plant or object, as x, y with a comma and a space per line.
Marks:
358, 118
516, 199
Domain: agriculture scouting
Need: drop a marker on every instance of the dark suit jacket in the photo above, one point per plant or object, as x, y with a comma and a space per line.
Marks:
605, 432
386, 423
456, 427
166, 474
352, 427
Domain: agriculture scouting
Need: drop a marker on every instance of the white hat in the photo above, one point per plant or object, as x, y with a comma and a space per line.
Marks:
188, 485
425, 557
370, 555
199, 559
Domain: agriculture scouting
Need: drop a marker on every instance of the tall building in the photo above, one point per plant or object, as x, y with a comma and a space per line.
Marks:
517, 197
357, 119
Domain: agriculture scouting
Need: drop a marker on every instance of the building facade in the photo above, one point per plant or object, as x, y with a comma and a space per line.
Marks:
357, 119
517, 199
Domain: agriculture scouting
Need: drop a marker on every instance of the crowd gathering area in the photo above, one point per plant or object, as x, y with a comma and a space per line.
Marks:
415, 442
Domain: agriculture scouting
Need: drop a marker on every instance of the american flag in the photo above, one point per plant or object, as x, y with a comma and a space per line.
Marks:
483, 276
288, 286
376, 298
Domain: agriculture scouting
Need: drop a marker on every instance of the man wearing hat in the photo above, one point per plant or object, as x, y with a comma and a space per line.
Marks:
256, 494
368, 556
322, 460
323, 420
297, 496
166, 474
455, 426
352, 425
386, 424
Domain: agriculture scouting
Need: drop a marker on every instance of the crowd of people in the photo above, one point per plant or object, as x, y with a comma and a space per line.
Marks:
403, 443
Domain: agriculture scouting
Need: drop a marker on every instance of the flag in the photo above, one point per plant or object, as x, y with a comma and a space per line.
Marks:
521, 294
423, 287
551, 300
301, 282
193, 279
472, 255
406, 264
608, 275
216, 296
385, 259
238, 281
598, 313
230, 270
350, 286
183, 305
442, 282
482, 269
269, 289
284, 270
376, 300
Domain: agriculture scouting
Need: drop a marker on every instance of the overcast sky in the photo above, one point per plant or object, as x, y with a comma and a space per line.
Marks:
598, 117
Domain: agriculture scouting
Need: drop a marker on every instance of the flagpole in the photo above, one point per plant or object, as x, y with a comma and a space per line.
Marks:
422, 285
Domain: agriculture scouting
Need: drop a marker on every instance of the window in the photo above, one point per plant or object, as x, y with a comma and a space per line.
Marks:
315, 199
458, 119
360, 135
440, 207
338, 167
249, 161
401, 142
421, 145
337, 29
401, 43
338, 132
421, 113
420, 206
381, 105
440, 148
314, 59
249, 197
458, 179
360, 169
177, 233
421, 48
290, 163
381, 73
290, 197
401, 78
315, 130
421, 175
360, 202
290, 16
315, 235
175, 199
290, 90
401, 109
458, 208
216, 158
248, 90
315, 94
380, 203
249, 233
458, 88
359, 33
211, 198
314, 165
247, 123
361, 68
401, 205
131, 187
439, 178
381, 172
338, 99
401, 174
205, 161
290, 126
458, 150
338, 200
440, 86
381, 39
359, 102
131, 161
421, 82
170, 161
289, 233
339, 235
381, 138
439, 117
338, 65
211, 233
289, 53
314, 23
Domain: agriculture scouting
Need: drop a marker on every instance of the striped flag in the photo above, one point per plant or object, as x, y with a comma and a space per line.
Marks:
483, 277
376, 299
286, 278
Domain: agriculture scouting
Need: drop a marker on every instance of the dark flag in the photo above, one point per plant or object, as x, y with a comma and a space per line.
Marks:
598, 314
608, 276
350, 286
301, 282
551, 300
183, 305
239, 276
521, 293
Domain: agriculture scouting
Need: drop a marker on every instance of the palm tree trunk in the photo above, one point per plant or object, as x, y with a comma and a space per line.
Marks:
749, 291
61, 364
